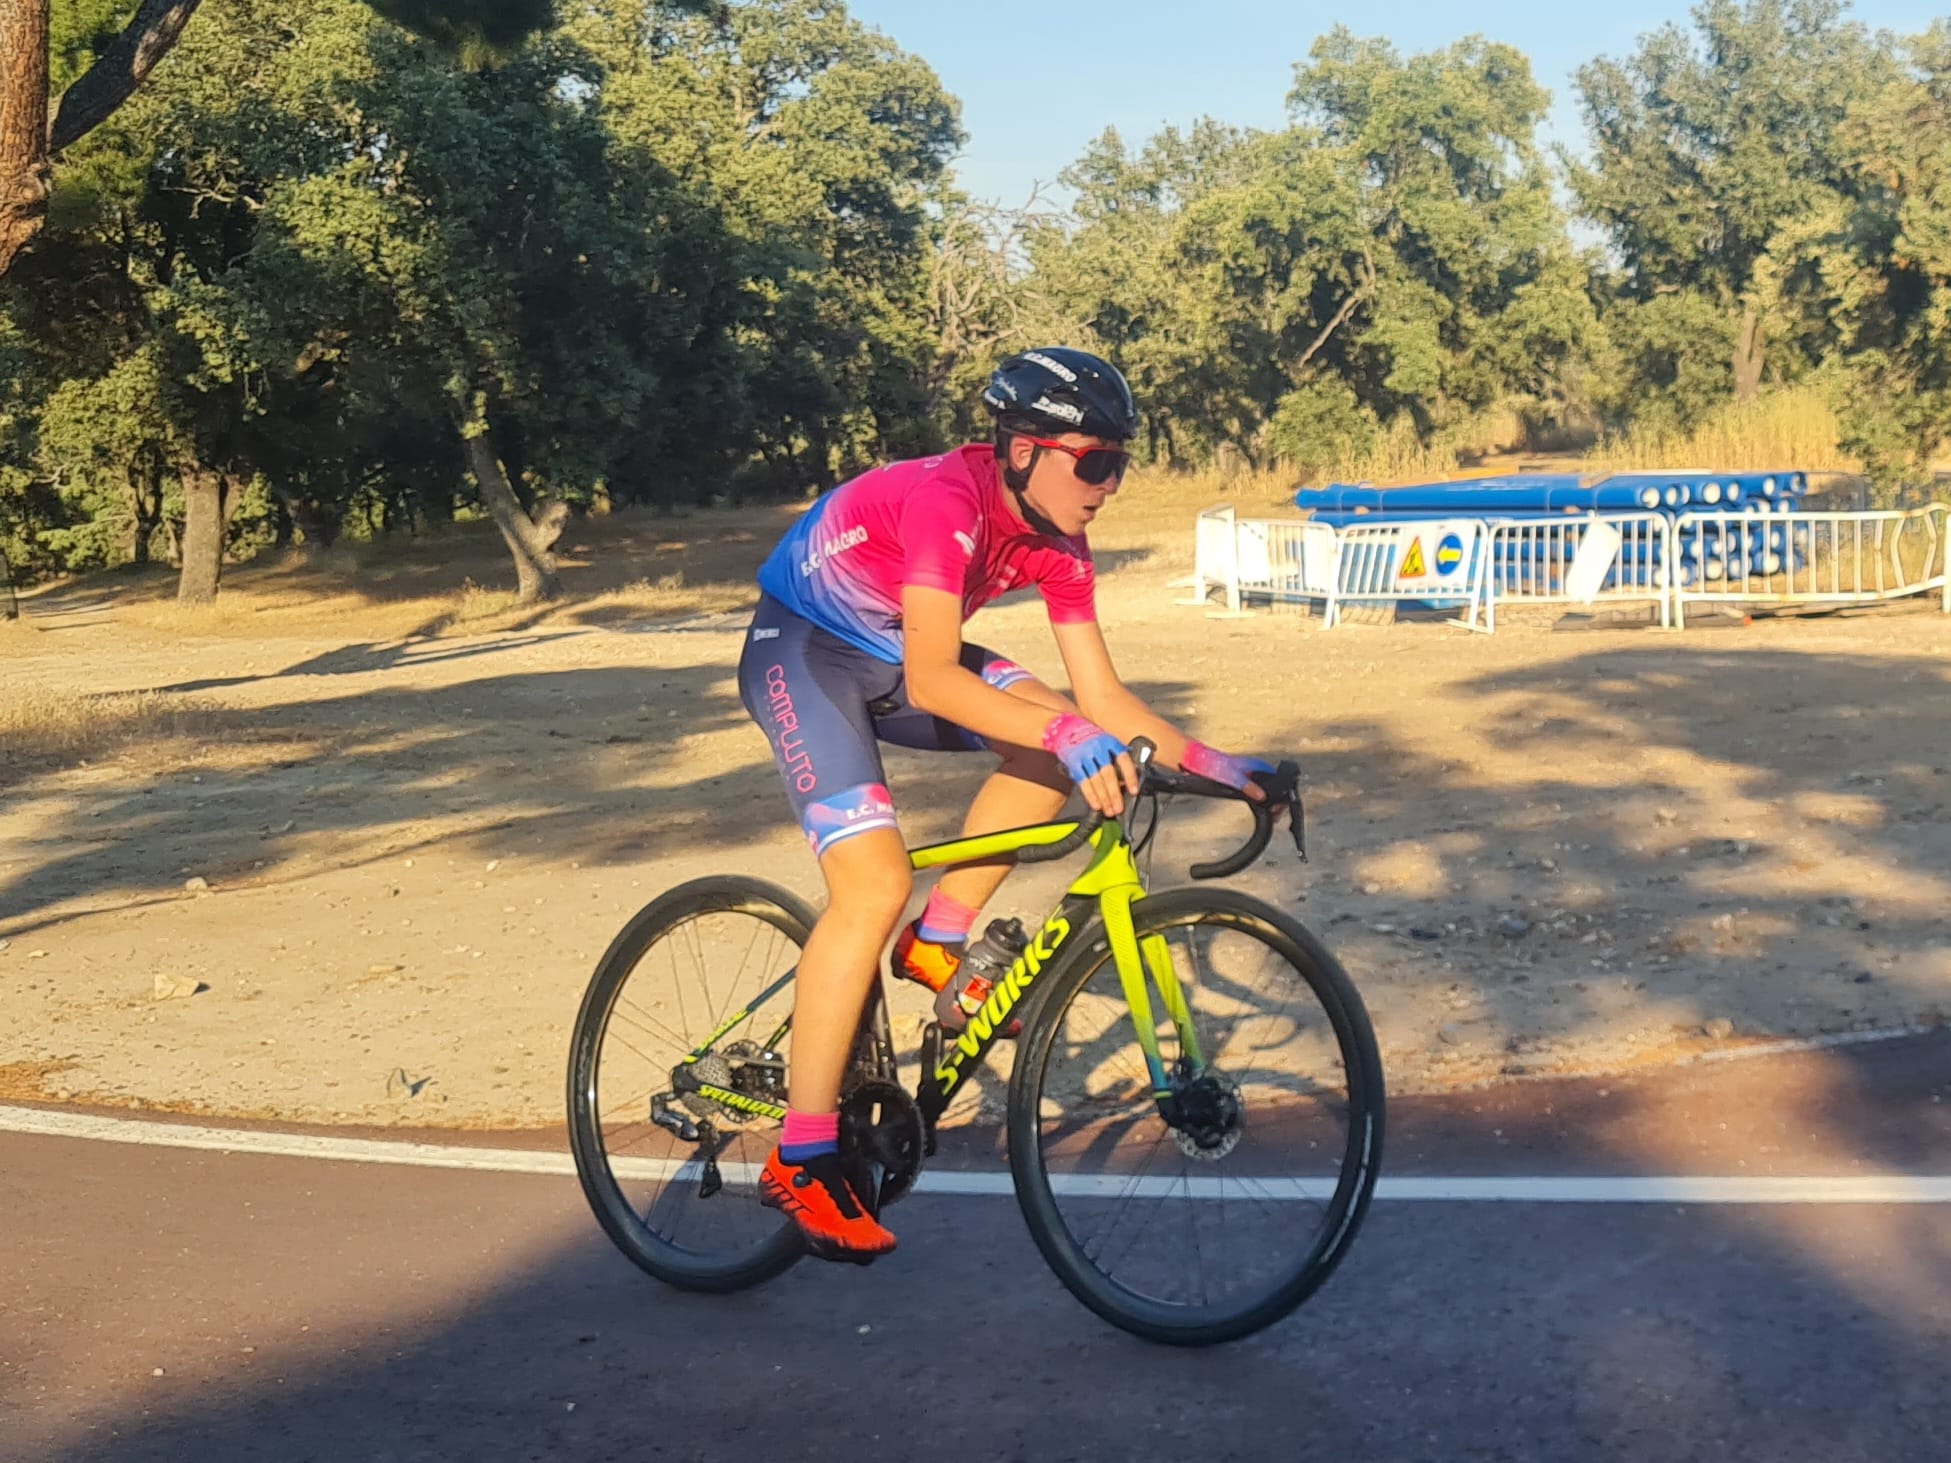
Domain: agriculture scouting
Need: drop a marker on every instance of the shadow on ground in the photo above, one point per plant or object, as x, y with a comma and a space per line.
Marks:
1530, 1333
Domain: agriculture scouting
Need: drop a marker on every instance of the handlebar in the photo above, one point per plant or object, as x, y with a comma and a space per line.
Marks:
1282, 786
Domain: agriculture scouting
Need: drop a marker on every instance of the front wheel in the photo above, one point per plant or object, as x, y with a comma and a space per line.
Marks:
1201, 1207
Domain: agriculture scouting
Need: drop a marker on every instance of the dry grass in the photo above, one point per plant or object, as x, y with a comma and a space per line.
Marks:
616, 568
1400, 456
43, 725
1790, 428
640, 565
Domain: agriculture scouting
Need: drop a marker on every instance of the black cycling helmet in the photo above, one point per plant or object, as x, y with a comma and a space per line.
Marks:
1062, 390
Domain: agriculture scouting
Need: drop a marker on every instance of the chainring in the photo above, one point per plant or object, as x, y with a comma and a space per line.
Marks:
881, 1142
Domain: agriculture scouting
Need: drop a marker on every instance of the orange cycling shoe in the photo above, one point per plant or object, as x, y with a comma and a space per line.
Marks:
816, 1196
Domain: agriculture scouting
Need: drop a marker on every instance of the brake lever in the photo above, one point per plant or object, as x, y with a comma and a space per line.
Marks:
1283, 789
1142, 750
1297, 815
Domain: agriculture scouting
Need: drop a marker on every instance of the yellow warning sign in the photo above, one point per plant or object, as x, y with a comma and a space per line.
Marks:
1412, 562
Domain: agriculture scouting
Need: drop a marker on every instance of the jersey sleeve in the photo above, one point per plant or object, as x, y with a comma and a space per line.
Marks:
938, 539
1069, 585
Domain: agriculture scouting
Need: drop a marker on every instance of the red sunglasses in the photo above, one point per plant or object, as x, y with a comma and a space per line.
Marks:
1095, 465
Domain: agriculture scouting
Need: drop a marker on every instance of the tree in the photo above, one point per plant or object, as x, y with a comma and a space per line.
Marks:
1868, 273
36, 127
817, 147
1704, 145
1392, 254
1478, 299
111, 440
29, 139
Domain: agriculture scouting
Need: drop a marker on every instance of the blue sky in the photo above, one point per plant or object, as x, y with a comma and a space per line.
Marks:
1037, 83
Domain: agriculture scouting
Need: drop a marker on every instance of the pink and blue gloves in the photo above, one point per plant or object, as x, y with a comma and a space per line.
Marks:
1084, 747
1216, 766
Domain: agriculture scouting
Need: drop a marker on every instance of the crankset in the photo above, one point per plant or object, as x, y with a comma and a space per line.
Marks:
881, 1142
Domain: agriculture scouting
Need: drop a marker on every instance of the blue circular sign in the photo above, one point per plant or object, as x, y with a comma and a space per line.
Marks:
1449, 554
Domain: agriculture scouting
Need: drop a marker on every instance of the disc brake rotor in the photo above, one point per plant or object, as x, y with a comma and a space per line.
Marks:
1211, 1117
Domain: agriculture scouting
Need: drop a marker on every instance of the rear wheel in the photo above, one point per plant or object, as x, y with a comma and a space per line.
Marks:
671, 1173
1210, 1212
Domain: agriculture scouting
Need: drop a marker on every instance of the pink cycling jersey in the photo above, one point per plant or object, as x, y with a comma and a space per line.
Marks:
937, 522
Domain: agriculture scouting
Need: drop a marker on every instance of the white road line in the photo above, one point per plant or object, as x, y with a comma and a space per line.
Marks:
1852, 1189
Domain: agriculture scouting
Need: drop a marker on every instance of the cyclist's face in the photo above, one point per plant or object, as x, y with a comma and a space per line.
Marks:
1056, 490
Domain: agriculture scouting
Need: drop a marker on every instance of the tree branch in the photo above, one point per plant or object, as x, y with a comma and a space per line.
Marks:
1347, 308
118, 71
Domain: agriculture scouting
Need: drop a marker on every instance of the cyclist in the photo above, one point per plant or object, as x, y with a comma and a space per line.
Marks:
858, 638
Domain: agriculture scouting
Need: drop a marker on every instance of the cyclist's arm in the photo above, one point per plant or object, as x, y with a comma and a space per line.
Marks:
1104, 697
939, 684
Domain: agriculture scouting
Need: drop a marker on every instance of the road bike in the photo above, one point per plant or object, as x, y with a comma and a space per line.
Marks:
1195, 1107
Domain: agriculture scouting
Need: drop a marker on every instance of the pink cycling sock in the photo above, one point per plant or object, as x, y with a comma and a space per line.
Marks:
809, 1134
946, 921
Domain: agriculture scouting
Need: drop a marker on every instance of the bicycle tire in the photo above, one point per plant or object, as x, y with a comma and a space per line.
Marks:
1353, 1038
669, 1262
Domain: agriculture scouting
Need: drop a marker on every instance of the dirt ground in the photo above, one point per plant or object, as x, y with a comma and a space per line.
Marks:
1534, 852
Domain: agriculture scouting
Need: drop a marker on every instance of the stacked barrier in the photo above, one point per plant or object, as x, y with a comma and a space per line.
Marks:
1519, 493
1817, 558
1439, 563
1289, 560
1763, 553
1215, 559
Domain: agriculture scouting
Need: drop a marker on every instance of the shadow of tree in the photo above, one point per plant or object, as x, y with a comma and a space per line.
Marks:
377, 761
1553, 1332
1610, 1332
1623, 852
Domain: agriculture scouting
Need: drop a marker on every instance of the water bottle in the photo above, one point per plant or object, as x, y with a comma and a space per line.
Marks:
984, 962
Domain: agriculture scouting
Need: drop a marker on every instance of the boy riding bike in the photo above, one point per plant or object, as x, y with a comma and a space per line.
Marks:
858, 639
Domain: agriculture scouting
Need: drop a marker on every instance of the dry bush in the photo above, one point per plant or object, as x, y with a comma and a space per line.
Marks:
666, 597
1399, 455
1154, 510
43, 725
1792, 428
615, 567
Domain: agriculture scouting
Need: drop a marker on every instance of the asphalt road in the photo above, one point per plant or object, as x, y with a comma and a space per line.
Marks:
173, 1304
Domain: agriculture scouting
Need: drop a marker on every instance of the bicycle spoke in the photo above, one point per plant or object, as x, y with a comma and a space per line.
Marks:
1196, 1212
665, 998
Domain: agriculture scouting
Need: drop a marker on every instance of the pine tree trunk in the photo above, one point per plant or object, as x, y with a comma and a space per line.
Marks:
24, 168
1748, 356
204, 522
528, 542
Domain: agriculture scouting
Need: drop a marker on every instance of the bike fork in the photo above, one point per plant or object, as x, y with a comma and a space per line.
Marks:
1135, 959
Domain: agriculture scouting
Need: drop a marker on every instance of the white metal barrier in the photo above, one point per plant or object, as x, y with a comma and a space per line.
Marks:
1438, 561
1288, 559
1587, 559
1474, 563
1812, 558
1215, 559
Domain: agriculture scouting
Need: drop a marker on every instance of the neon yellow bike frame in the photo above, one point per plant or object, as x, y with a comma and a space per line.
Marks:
1112, 883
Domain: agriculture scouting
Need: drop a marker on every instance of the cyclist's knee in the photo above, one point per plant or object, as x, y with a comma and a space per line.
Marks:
869, 875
